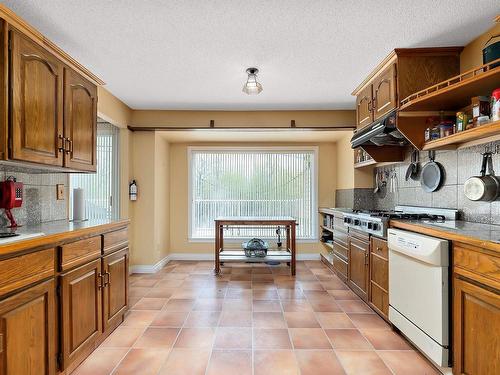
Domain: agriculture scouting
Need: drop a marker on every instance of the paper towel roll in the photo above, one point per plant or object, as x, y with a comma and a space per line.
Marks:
79, 204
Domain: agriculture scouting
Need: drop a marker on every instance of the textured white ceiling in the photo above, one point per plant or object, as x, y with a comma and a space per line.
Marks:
187, 54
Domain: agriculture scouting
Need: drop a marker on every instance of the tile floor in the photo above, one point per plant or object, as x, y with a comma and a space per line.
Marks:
250, 320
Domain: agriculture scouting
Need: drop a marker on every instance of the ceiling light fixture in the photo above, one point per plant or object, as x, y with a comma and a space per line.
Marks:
251, 86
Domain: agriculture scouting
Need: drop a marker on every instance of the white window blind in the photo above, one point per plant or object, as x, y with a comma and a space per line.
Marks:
252, 182
101, 188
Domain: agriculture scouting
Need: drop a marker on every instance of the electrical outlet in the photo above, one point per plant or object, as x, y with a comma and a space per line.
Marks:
60, 192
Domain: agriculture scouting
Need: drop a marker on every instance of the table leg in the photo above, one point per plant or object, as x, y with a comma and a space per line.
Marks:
217, 248
294, 249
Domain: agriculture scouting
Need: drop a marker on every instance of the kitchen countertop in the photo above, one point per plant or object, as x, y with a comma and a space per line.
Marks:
56, 233
477, 234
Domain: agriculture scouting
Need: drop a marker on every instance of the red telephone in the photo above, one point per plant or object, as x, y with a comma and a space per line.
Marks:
11, 196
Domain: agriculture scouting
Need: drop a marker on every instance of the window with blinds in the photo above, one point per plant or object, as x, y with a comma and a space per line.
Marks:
266, 182
101, 188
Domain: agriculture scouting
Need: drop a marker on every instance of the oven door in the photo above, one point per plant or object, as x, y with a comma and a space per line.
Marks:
418, 291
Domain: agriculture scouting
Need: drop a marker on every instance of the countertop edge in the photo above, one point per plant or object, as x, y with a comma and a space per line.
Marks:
58, 239
443, 233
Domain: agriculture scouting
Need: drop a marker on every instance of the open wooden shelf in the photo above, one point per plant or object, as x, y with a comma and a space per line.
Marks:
326, 228
327, 244
458, 139
365, 163
456, 92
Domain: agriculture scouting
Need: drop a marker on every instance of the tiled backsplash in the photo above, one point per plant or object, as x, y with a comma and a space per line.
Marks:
358, 199
458, 165
40, 202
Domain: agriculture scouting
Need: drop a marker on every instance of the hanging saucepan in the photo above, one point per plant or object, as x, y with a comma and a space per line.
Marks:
432, 174
485, 187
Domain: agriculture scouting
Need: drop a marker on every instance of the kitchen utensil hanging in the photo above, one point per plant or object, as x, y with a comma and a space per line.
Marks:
486, 186
432, 174
413, 168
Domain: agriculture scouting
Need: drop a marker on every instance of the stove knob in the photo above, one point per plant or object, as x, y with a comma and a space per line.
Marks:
375, 226
370, 225
347, 220
356, 222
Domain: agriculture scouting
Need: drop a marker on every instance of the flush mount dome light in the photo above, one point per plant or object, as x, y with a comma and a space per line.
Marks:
251, 86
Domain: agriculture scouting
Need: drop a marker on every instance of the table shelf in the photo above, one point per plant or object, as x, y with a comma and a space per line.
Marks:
239, 256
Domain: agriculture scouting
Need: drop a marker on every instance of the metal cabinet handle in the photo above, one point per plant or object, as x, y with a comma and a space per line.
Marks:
370, 106
100, 284
70, 143
108, 278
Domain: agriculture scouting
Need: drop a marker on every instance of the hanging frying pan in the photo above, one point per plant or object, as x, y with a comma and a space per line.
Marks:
431, 176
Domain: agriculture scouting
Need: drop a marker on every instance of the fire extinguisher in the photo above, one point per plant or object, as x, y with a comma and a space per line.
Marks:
132, 190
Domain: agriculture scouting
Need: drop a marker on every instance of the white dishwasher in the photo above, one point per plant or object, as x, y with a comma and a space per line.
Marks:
418, 291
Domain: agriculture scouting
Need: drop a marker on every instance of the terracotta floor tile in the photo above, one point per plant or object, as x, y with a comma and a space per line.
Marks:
311, 285
368, 321
309, 338
344, 295
235, 319
321, 305
240, 284
138, 291
122, 337
175, 276
350, 339
296, 305
170, 318
142, 361
101, 362
179, 305
362, 362
269, 306
407, 363
263, 285
313, 295
271, 339
237, 305
261, 270
202, 319
352, 306
301, 320
239, 293
313, 362
208, 304
214, 293
286, 294
139, 318
148, 283
386, 340
186, 293
195, 338
155, 337
265, 294
275, 362
162, 292
268, 320
186, 362
170, 283
230, 363
262, 277
334, 320
147, 303
233, 338
334, 285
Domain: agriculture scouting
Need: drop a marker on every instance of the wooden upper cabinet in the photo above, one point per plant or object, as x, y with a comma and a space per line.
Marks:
29, 314
80, 122
476, 313
36, 105
115, 273
384, 92
81, 305
364, 114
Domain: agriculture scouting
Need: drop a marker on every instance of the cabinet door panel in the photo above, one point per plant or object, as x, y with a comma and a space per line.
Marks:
80, 122
81, 310
384, 92
36, 106
476, 316
358, 269
27, 324
115, 267
364, 114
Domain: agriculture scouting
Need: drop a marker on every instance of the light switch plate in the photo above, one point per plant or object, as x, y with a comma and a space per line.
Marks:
60, 192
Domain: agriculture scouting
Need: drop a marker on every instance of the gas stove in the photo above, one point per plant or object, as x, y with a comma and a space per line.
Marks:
376, 222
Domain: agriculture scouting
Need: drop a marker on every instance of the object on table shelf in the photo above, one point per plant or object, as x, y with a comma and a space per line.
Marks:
495, 105
255, 248
446, 128
435, 133
278, 233
483, 120
480, 107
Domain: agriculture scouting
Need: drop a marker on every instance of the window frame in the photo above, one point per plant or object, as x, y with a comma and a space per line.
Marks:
315, 186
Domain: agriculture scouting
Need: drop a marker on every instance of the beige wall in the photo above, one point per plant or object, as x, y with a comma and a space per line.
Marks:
347, 176
472, 55
179, 196
112, 109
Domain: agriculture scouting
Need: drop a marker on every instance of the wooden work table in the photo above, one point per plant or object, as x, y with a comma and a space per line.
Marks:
288, 254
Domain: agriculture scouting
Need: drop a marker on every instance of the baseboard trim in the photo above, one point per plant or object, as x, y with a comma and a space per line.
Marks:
149, 268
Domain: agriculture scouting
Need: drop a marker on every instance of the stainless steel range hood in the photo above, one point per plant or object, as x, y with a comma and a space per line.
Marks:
383, 132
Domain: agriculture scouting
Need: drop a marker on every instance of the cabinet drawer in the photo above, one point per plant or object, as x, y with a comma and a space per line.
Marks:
379, 298
26, 269
340, 265
474, 260
79, 252
340, 249
358, 243
380, 271
362, 236
380, 248
340, 237
115, 240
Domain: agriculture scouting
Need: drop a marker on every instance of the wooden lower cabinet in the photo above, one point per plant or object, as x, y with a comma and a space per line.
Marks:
476, 316
81, 305
28, 332
358, 266
115, 271
378, 285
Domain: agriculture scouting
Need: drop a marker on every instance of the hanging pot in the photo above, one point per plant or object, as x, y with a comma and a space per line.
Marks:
432, 174
485, 187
